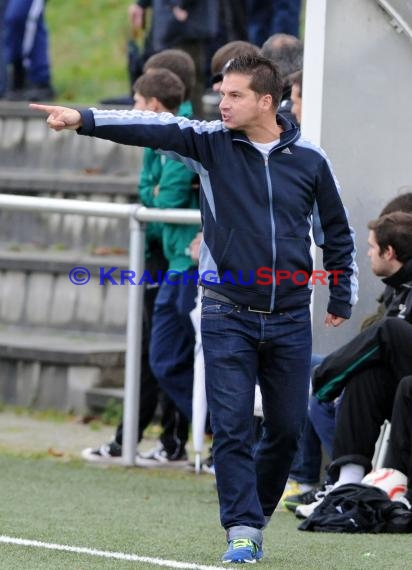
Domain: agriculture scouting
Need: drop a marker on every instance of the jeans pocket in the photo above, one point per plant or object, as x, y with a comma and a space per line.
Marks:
211, 308
300, 315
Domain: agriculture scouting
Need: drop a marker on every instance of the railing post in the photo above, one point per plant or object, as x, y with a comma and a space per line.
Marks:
134, 342
138, 215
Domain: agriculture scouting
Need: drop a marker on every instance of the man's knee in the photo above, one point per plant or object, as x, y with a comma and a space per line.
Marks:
394, 329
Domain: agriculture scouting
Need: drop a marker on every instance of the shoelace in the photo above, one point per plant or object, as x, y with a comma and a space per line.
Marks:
243, 543
322, 494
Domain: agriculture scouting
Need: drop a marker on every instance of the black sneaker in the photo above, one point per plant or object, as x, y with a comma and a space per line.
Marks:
208, 466
293, 501
158, 457
108, 454
398, 516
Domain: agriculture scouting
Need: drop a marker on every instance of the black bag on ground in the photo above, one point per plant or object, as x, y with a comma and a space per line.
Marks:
358, 508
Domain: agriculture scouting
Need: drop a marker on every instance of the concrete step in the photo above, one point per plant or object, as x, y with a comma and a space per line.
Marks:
29, 182
36, 291
64, 349
26, 142
48, 369
70, 230
98, 398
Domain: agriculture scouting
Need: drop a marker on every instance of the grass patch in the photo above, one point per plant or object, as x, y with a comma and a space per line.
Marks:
88, 49
48, 415
112, 413
157, 513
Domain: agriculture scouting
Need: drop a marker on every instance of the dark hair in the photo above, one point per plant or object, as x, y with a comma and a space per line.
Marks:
286, 51
265, 76
401, 203
178, 61
394, 229
163, 84
226, 53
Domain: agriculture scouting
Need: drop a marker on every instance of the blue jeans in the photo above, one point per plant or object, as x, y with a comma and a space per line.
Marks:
319, 430
240, 346
322, 416
172, 342
308, 459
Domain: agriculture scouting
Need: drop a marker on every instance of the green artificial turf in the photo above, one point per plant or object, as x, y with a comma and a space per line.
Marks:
162, 514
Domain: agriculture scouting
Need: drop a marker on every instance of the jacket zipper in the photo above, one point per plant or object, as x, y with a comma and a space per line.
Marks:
272, 219
273, 228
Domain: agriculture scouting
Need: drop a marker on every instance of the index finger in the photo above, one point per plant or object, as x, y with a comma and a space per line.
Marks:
46, 108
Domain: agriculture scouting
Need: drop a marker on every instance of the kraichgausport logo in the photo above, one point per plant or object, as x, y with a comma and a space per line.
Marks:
262, 276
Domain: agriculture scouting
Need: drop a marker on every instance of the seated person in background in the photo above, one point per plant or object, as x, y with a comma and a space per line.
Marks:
371, 366
320, 425
399, 452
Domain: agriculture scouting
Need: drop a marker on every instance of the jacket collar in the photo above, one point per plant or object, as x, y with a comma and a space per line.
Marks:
402, 277
290, 133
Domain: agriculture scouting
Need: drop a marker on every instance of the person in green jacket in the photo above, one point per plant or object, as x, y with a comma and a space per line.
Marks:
166, 183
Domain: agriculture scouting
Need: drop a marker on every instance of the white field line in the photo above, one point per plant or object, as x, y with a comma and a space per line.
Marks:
107, 554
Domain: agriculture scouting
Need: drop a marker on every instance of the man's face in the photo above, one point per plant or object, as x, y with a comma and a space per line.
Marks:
296, 102
240, 106
379, 264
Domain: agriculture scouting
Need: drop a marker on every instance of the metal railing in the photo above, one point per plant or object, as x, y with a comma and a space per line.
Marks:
138, 216
401, 13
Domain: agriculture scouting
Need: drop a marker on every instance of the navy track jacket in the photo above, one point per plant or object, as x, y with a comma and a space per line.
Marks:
256, 213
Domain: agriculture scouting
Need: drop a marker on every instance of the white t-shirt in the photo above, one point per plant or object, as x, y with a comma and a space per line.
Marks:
265, 148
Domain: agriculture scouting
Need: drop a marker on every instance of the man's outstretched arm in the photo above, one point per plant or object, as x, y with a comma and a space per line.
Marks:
60, 118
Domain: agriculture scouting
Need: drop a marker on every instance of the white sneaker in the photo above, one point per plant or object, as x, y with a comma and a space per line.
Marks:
304, 511
107, 454
158, 457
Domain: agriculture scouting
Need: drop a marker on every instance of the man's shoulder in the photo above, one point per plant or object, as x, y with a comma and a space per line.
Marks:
310, 146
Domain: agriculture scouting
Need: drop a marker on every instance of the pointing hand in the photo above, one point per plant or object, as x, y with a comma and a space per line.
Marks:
60, 117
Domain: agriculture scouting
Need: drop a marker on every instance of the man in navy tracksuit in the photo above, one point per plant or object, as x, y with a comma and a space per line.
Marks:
261, 186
